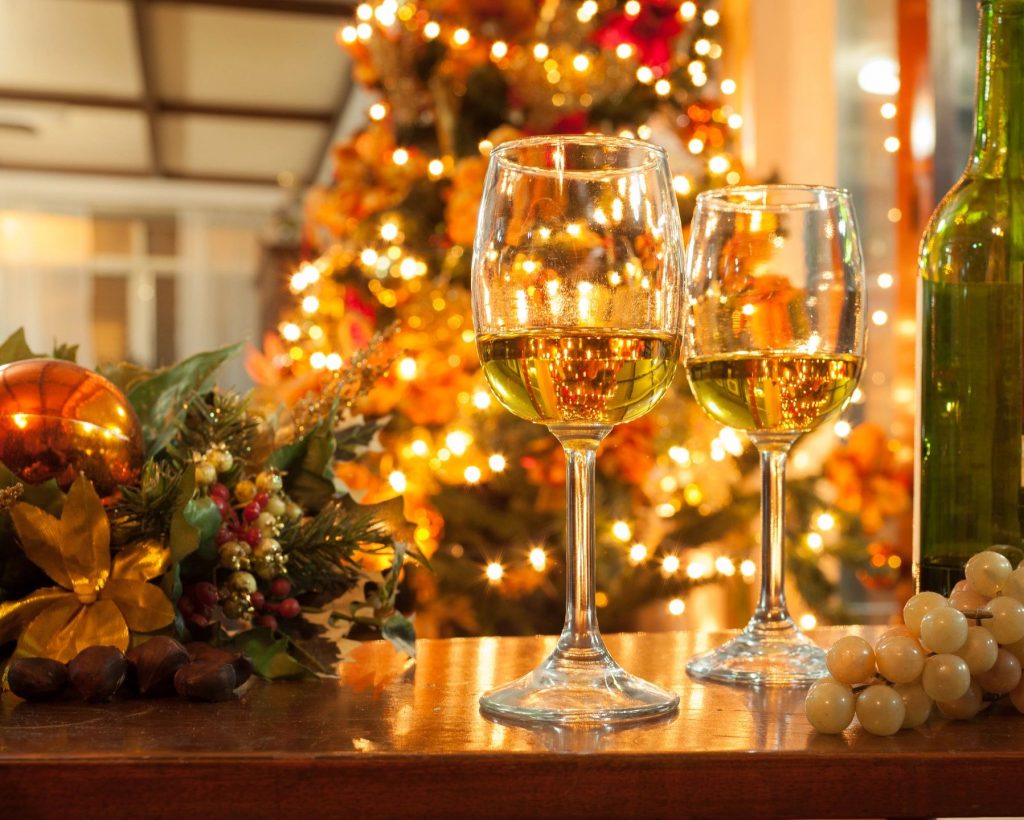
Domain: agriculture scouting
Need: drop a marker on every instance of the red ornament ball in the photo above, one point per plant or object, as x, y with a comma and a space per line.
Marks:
58, 419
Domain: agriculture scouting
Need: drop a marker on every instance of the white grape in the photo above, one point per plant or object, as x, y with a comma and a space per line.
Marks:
916, 702
894, 631
851, 660
900, 659
945, 677
1013, 586
1017, 650
1004, 675
979, 650
880, 710
919, 606
986, 572
966, 706
1017, 697
964, 597
944, 629
1007, 621
829, 706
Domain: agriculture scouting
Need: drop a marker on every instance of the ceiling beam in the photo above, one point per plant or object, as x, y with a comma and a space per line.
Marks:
69, 98
320, 8
256, 112
140, 18
325, 144
139, 173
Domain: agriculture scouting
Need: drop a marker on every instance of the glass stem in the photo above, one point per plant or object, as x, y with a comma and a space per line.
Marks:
580, 636
771, 608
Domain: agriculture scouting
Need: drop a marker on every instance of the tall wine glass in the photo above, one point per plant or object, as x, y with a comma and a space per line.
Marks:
774, 342
577, 273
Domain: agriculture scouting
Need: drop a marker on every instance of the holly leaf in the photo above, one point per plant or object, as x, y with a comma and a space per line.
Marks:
15, 348
184, 535
159, 400
356, 436
309, 479
124, 375
67, 353
400, 633
269, 655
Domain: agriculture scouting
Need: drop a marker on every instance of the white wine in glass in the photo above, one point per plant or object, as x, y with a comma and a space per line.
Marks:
577, 274
774, 344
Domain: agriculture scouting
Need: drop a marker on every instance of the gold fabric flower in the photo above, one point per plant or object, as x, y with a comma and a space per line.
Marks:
96, 602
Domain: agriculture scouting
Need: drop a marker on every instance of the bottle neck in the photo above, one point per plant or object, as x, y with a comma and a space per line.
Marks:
999, 117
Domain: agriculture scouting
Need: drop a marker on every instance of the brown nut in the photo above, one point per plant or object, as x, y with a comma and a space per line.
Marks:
37, 678
97, 672
205, 653
205, 680
200, 651
243, 668
154, 664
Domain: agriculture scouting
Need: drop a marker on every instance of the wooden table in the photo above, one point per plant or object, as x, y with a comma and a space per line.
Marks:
416, 746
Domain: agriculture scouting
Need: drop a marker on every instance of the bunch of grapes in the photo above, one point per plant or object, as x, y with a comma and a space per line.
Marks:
959, 653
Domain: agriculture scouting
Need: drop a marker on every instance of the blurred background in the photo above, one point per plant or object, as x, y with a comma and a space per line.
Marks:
177, 175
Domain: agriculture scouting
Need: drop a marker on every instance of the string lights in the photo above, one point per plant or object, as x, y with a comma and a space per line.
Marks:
680, 92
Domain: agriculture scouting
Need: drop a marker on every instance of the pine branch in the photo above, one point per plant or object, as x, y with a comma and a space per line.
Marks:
216, 418
322, 551
145, 509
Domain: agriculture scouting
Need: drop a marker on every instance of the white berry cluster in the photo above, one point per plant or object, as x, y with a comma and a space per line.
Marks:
949, 652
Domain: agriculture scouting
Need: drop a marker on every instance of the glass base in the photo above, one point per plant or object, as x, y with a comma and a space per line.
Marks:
578, 687
763, 654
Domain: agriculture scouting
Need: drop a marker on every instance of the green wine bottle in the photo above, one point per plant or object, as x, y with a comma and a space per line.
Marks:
968, 472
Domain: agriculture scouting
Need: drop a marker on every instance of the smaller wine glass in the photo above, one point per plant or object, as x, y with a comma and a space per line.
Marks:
577, 272
773, 342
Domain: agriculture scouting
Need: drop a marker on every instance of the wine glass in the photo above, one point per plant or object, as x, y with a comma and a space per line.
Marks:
577, 273
773, 342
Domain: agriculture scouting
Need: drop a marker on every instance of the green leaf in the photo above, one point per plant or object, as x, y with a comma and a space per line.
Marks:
269, 655
202, 513
310, 477
160, 399
124, 375
401, 633
68, 353
283, 458
15, 348
184, 535
170, 583
47, 496
357, 437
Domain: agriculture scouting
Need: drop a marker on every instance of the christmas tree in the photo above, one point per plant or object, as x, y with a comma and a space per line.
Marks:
389, 243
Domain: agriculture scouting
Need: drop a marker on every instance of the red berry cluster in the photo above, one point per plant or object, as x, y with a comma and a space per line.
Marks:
235, 527
197, 602
280, 606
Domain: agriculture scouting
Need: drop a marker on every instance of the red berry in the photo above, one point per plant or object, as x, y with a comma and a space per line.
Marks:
220, 491
261, 499
252, 537
257, 600
268, 621
280, 587
206, 593
223, 536
198, 620
289, 608
204, 610
223, 507
252, 511
186, 606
